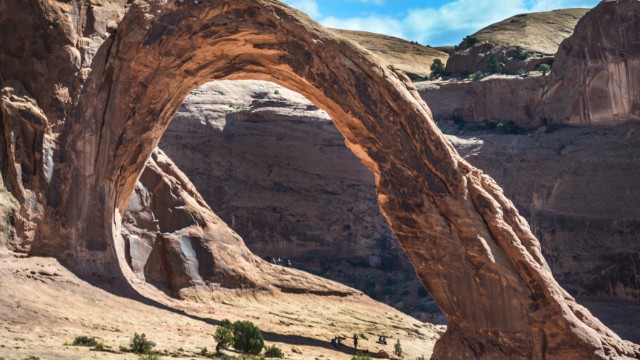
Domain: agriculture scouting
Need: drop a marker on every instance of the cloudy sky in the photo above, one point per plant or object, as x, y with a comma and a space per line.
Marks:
433, 22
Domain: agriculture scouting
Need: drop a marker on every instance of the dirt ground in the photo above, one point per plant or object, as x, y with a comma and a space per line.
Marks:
44, 306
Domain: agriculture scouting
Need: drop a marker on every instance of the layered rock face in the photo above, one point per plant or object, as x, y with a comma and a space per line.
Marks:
471, 248
537, 35
596, 77
577, 189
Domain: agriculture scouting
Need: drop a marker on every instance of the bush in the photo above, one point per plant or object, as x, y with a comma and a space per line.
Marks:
545, 68
273, 352
437, 69
140, 344
223, 337
519, 53
148, 357
84, 341
226, 323
476, 76
495, 67
470, 40
361, 356
397, 349
247, 338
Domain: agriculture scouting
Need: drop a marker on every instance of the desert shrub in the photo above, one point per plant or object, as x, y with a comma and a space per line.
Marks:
470, 40
495, 67
363, 336
273, 352
397, 349
247, 338
519, 53
226, 323
437, 69
520, 72
148, 357
361, 356
223, 337
100, 346
84, 341
545, 68
476, 76
421, 357
140, 345
31, 357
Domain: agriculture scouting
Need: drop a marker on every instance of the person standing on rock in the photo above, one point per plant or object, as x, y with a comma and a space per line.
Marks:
355, 341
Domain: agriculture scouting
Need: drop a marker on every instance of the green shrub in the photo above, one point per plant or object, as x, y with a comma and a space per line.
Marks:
520, 72
545, 68
495, 67
148, 357
363, 336
31, 357
437, 69
226, 323
84, 341
273, 352
223, 337
140, 344
100, 346
361, 356
476, 76
469, 40
247, 338
397, 349
519, 53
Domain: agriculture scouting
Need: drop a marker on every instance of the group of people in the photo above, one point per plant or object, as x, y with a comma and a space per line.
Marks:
279, 261
337, 341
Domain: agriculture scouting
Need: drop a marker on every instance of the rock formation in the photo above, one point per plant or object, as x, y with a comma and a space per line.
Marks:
537, 35
577, 188
105, 111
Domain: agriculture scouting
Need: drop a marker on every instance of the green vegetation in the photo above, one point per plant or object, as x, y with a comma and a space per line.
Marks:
140, 345
469, 41
31, 357
84, 341
397, 349
519, 53
247, 338
273, 352
437, 69
363, 336
545, 68
361, 356
148, 357
476, 76
223, 336
495, 67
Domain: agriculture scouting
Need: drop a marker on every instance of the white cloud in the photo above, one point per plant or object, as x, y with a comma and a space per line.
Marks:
310, 7
546, 5
373, 23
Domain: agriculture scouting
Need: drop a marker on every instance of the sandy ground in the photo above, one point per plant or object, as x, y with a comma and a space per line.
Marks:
43, 306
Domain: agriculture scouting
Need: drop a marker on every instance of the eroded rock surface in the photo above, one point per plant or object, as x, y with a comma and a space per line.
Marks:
577, 188
471, 248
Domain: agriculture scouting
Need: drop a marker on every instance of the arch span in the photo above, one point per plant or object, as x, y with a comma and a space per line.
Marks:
471, 249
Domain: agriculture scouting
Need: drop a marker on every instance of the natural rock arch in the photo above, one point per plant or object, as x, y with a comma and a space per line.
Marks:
471, 249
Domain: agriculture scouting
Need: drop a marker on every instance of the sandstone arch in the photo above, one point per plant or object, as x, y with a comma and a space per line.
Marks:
471, 249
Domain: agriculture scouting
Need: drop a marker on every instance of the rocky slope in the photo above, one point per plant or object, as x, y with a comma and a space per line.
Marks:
538, 35
100, 116
412, 58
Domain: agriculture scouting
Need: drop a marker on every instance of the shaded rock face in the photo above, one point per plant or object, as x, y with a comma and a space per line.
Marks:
470, 247
538, 35
175, 242
275, 168
577, 189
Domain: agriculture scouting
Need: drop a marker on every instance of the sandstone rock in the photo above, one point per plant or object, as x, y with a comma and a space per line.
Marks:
596, 76
471, 248
537, 34
577, 188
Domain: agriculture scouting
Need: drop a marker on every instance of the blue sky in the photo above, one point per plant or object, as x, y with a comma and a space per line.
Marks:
433, 22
